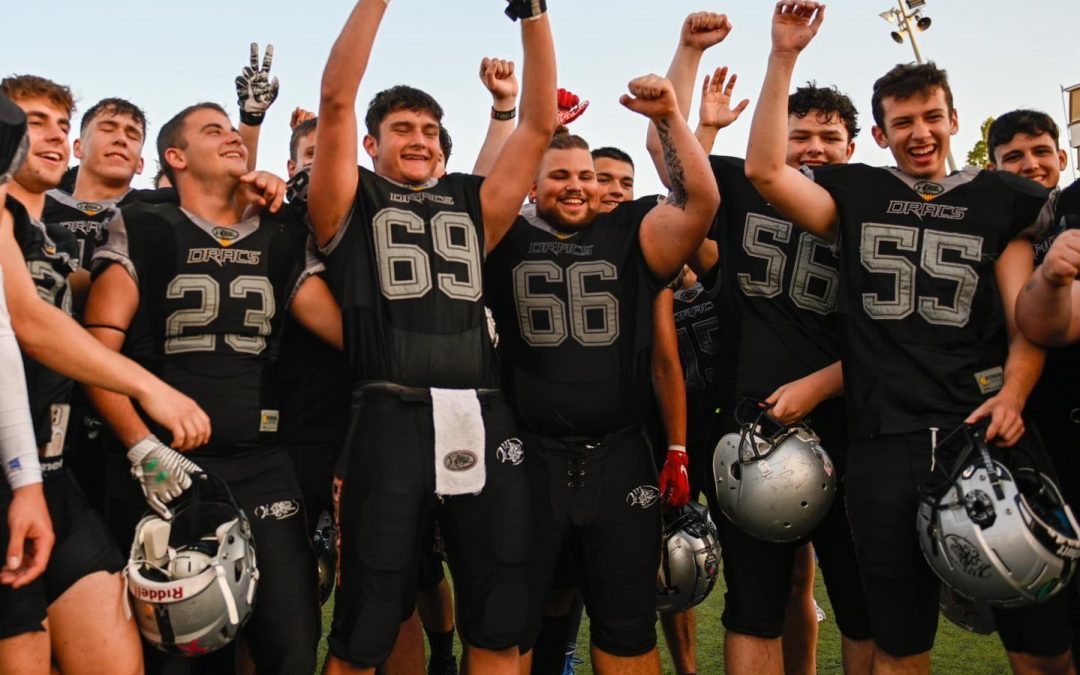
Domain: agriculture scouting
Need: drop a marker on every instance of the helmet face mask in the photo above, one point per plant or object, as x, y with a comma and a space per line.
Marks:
774, 482
689, 559
996, 532
192, 579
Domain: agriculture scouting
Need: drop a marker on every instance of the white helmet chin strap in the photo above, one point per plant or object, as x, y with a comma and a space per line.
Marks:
230, 602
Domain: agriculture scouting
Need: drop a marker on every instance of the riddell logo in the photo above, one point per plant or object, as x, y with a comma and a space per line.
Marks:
157, 595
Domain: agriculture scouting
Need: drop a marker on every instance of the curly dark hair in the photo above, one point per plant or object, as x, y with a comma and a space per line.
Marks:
400, 97
828, 103
1023, 121
904, 81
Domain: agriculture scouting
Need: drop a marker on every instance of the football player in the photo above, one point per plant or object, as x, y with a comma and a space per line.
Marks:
200, 291
84, 568
572, 293
932, 264
1025, 142
615, 183
783, 289
405, 252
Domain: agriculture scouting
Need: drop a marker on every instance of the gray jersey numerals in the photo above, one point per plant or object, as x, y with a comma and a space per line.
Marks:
544, 319
761, 237
405, 269
903, 300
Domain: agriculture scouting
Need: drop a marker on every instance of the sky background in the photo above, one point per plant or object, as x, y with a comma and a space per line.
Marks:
166, 55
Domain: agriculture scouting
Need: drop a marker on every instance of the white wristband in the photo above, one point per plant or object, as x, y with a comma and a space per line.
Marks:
675, 447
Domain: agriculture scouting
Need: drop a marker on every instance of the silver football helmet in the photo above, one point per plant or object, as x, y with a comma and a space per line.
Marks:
192, 579
996, 534
689, 559
774, 482
324, 541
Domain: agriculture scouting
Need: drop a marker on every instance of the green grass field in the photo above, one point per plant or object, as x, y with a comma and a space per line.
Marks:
956, 651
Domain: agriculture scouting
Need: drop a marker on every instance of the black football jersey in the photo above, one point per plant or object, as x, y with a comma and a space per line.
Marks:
784, 284
49, 253
925, 340
407, 269
700, 334
212, 304
88, 221
574, 315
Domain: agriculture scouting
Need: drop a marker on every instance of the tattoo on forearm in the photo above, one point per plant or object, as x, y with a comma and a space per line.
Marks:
676, 175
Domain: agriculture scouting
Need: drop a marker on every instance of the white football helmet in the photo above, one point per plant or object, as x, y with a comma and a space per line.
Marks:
192, 579
774, 482
996, 532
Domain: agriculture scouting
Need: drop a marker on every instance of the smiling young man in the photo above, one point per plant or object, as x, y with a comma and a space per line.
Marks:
1025, 142
572, 291
109, 150
200, 291
405, 251
84, 568
931, 265
782, 290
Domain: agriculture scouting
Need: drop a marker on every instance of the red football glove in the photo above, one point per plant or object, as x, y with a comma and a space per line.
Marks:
674, 481
570, 107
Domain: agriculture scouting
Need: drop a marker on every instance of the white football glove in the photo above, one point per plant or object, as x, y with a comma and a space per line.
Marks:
255, 91
163, 473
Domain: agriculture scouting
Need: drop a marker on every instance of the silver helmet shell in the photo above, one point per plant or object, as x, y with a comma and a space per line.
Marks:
997, 535
191, 580
775, 483
689, 560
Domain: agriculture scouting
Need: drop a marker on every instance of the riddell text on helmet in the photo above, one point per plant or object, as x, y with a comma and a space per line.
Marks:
159, 594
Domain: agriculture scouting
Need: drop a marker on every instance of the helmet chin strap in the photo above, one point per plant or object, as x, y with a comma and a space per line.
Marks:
230, 602
988, 464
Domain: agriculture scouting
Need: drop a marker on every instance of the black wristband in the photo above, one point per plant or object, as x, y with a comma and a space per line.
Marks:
250, 118
503, 115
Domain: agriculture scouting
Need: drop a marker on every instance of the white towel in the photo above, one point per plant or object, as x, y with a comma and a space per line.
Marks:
459, 442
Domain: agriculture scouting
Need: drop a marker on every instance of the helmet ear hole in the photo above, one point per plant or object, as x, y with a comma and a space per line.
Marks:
804, 504
735, 469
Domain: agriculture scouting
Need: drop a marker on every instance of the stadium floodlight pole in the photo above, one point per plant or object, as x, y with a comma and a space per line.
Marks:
909, 20
1070, 98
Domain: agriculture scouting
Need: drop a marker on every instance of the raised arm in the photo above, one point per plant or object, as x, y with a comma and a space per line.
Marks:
700, 31
498, 77
806, 203
514, 171
335, 173
1045, 309
672, 231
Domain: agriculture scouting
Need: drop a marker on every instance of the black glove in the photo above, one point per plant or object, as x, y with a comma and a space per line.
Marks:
525, 9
